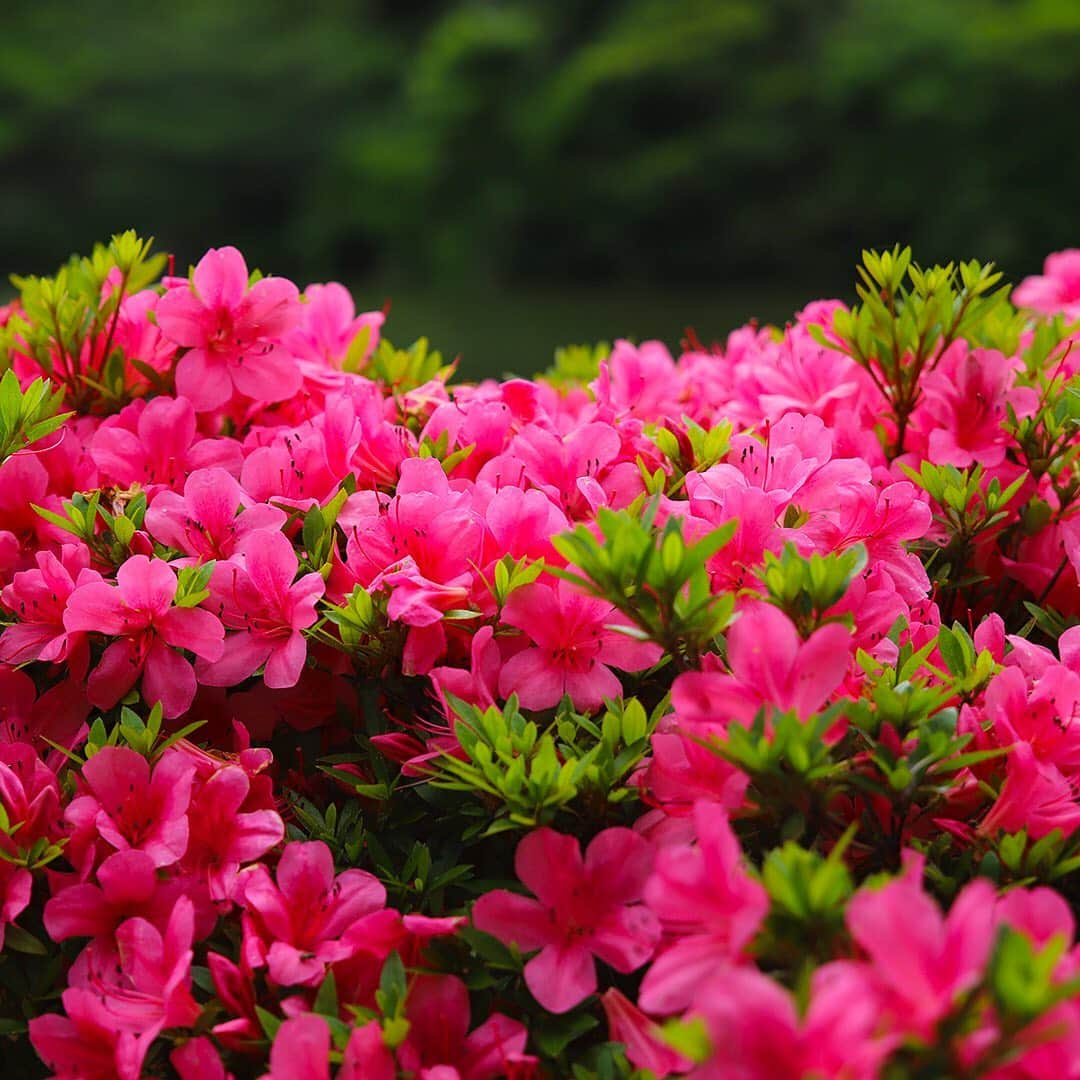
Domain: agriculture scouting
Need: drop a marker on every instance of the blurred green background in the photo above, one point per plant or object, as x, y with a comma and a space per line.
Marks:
520, 174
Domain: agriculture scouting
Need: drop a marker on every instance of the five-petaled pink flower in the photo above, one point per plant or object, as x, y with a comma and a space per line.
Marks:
138, 611
572, 645
583, 908
255, 596
130, 806
233, 333
294, 926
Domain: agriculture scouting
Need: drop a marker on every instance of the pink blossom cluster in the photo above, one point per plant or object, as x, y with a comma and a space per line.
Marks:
285, 536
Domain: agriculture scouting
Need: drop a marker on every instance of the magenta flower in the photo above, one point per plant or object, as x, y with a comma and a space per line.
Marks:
139, 612
583, 908
572, 646
707, 903
221, 836
211, 519
965, 406
233, 333
146, 982
301, 1051
940, 957
1056, 290
294, 926
16, 885
1036, 796
128, 887
255, 596
86, 1044
770, 665
131, 807
329, 324
38, 597
642, 1037
157, 442
439, 1040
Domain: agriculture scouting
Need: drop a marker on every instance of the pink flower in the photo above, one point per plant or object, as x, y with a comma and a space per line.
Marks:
295, 926
756, 1034
939, 958
329, 324
255, 596
127, 887
145, 982
130, 807
139, 612
198, 1060
964, 406
708, 906
584, 908
301, 1051
571, 649
221, 836
233, 333
645, 1047
85, 1044
421, 544
771, 666
1056, 290
1035, 796
213, 517
16, 885
753, 1027
438, 1014
38, 598
157, 442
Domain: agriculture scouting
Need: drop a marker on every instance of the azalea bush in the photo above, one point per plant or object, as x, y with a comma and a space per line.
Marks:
714, 715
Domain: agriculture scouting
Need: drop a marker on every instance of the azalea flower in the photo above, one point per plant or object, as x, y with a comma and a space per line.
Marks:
707, 903
573, 643
139, 612
232, 333
294, 926
255, 597
130, 806
583, 908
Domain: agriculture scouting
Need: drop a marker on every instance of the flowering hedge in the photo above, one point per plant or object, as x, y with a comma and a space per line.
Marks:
715, 716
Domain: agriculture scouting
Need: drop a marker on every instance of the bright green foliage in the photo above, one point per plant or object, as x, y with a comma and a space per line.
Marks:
67, 326
654, 577
1021, 977
808, 893
107, 532
690, 447
526, 774
400, 369
967, 508
908, 317
806, 588
576, 365
27, 415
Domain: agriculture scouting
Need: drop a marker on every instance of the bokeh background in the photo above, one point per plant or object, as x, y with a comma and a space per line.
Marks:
515, 175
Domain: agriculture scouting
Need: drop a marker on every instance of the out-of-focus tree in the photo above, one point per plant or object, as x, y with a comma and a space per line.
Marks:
553, 140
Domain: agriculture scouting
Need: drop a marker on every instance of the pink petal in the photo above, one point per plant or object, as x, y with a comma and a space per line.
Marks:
550, 864
561, 977
221, 278
243, 655
532, 676
168, 678
626, 938
194, 629
203, 379
514, 919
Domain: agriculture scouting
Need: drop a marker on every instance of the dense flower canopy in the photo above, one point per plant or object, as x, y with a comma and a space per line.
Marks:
713, 714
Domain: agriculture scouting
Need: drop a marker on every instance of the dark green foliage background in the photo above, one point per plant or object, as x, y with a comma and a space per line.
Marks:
469, 157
